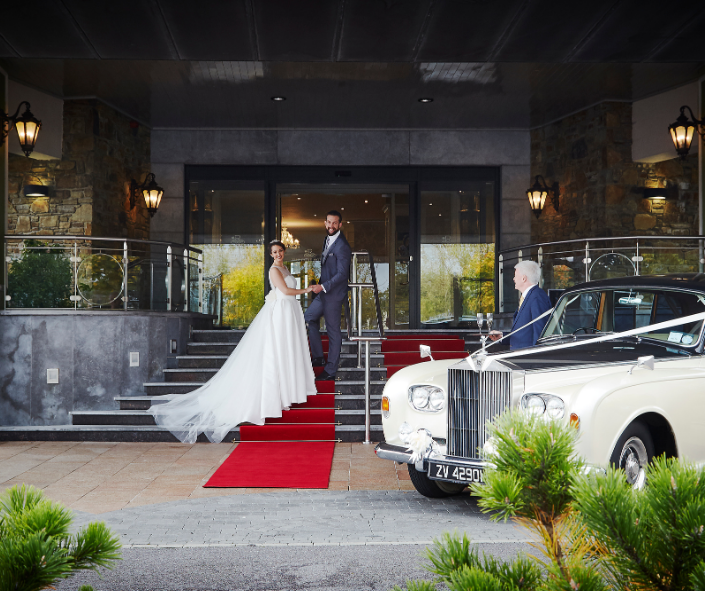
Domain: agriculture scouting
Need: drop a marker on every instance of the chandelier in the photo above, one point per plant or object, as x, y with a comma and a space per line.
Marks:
288, 240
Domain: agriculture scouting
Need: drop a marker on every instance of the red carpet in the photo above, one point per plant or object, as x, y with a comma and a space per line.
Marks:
276, 465
294, 451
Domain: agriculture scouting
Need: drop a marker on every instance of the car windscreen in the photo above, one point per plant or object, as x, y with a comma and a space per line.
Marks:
619, 310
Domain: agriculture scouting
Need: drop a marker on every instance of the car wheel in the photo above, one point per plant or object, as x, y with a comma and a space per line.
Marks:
434, 489
633, 452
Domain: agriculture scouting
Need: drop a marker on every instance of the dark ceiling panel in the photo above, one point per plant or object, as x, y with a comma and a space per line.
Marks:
49, 31
128, 29
467, 30
6, 50
630, 33
686, 43
214, 30
546, 32
381, 31
292, 30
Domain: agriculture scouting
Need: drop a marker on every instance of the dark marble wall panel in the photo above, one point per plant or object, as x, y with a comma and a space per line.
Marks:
91, 352
15, 372
52, 347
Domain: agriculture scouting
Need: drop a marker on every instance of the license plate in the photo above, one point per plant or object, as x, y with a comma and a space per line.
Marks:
450, 472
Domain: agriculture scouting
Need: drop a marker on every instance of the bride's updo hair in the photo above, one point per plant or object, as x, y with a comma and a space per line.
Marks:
276, 243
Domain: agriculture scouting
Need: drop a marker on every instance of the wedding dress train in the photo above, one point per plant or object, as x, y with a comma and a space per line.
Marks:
269, 370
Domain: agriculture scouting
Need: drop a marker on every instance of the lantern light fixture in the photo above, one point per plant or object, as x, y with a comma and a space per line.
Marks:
539, 192
683, 130
151, 192
36, 191
26, 125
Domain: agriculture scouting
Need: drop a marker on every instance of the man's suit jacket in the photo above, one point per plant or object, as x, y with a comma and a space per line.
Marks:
335, 268
535, 304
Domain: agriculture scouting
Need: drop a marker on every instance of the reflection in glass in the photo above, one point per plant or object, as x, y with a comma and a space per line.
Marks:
99, 279
457, 254
227, 223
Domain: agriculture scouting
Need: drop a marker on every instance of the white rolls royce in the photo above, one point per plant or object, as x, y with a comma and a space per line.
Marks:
621, 360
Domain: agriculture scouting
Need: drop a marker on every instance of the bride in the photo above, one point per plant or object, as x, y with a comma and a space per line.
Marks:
269, 370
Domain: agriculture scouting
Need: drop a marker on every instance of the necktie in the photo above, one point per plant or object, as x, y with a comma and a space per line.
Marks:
521, 300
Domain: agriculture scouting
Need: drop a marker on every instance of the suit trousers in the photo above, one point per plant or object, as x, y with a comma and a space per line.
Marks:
330, 309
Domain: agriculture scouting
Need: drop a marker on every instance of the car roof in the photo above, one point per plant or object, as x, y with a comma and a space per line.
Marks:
690, 281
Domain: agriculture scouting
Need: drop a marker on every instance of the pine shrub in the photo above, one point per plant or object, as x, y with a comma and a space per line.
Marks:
36, 547
593, 530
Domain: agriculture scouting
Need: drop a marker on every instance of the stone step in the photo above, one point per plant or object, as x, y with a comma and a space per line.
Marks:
213, 348
144, 402
204, 374
342, 387
111, 433
143, 418
147, 433
217, 336
217, 361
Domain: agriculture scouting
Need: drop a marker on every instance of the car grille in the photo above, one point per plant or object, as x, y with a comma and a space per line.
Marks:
474, 398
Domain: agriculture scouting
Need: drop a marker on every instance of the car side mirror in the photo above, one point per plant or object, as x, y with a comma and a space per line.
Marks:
425, 351
645, 362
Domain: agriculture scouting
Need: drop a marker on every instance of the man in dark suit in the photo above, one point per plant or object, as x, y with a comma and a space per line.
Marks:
532, 303
332, 291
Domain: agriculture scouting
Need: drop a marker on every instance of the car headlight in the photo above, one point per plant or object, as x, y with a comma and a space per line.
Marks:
427, 398
539, 404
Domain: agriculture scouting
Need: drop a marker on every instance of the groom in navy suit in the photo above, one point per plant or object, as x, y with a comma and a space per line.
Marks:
532, 303
332, 291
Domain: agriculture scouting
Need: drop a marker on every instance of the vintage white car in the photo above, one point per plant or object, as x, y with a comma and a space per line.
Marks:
617, 360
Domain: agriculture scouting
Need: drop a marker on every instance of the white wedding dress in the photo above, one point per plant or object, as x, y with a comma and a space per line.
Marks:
269, 370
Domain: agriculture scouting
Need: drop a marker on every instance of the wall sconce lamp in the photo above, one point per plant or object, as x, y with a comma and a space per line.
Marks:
151, 192
683, 130
27, 127
36, 191
538, 193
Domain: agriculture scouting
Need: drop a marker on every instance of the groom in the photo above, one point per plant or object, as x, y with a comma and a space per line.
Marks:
333, 291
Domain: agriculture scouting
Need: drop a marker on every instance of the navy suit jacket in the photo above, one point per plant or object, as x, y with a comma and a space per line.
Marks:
535, 304
335, 268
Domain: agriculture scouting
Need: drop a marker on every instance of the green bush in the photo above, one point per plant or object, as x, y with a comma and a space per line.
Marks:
594, 531
36, 548
40, 279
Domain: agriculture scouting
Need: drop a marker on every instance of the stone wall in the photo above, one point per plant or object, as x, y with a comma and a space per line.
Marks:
89, 186
601, 188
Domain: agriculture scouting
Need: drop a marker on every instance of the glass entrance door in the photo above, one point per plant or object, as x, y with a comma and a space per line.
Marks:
375, 219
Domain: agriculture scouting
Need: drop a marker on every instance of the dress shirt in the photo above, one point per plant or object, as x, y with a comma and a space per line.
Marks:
523, 295
329, 242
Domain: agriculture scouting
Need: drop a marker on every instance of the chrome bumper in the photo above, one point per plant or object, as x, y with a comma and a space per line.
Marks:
402, 455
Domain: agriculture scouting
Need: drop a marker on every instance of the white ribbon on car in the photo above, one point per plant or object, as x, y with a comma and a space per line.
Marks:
483, 358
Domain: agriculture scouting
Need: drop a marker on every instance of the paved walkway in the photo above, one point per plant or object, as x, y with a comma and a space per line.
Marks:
151, 494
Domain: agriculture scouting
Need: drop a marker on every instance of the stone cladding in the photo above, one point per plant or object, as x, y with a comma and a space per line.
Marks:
601, 188
89, 186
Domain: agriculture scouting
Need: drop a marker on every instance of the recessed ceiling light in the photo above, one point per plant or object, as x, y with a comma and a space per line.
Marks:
366, 201
278, 99
430, 203
314, 215
348, 221
425, 99
342, 209
440, 214
299, 198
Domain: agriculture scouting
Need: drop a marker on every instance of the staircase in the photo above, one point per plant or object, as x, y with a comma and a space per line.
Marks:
207, 352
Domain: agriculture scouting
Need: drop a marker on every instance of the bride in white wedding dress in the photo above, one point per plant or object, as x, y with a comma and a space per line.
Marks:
269, 370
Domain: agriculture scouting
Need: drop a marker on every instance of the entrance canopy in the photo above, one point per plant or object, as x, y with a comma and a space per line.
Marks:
352, 63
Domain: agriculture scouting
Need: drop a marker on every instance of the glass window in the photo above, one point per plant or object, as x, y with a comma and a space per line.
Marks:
457, 254
227, 223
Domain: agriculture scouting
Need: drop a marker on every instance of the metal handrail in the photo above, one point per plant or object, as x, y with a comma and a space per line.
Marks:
357, 305
100, 239
71, 243
602, 239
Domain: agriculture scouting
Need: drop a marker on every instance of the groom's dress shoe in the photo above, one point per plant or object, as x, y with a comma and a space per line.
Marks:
318, 361
324, 375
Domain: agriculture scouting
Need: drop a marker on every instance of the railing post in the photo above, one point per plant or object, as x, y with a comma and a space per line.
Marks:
540, 261
6, 260
187, 285
501, 282
520, 256
587, 260
637, 258
125, 261
701, 256
168, 278
367, 393
75, 276
200, 283
359, 326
